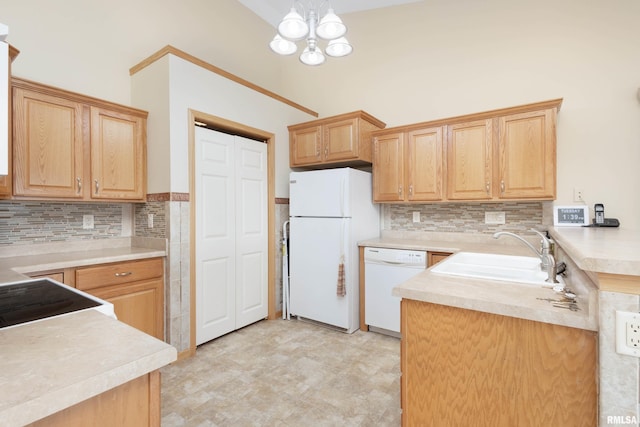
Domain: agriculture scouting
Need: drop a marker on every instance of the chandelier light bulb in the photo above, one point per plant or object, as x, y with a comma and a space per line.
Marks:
312, 56
283, 46
331, 26
339, 47
293, 26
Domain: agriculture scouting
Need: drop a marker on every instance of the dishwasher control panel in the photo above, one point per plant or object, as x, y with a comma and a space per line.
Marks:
395, 256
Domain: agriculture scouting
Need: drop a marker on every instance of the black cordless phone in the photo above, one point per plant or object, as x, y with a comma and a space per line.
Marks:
599, 212
600, 220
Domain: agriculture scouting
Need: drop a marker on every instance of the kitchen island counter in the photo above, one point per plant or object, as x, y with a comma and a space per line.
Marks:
489, 296
52, 364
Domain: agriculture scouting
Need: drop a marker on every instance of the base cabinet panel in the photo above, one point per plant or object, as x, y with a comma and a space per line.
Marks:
133, 404
464, 367
135, 288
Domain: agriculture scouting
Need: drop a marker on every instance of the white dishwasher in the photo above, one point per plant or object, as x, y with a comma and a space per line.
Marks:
384, 269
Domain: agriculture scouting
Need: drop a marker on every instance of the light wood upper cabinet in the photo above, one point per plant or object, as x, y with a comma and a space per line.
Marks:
48, 145
507, 154
469, 167
72, 147
6, 181
408, 166
388, 161
425, 164
117, 155
527, 155
339, 140
306, 146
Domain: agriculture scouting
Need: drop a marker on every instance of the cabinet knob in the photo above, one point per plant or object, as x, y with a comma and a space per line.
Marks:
97, 185
411, 189
79, 185
502, 186
326, 152
399, 191
487, 188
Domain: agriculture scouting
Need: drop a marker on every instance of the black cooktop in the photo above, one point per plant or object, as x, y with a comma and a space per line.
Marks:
38, 299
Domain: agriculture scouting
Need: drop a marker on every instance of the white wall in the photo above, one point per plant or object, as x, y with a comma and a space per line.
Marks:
441, 58
89, 46
416, 62
192, 87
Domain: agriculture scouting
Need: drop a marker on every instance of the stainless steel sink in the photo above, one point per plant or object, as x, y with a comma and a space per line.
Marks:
509, 268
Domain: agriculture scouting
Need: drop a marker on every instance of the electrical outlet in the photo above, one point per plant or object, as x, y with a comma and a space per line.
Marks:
494, 218
578, 194
87, 222
628, 333
150, 220
416, 216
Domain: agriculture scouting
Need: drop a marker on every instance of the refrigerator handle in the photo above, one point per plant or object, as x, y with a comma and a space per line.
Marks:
342, 194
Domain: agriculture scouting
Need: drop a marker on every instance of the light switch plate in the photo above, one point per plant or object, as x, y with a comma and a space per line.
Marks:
416, 216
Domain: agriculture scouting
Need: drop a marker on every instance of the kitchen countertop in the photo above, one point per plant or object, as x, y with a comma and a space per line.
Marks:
18, 261
49, 365
54, 363
490, 296
601, 250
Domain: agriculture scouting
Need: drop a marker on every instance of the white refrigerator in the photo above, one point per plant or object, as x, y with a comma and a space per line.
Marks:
330, 211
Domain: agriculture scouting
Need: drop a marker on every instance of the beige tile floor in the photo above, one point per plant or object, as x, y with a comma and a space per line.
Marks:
286, 373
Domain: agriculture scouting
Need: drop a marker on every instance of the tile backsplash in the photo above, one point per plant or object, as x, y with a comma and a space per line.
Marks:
465, 217
44, 222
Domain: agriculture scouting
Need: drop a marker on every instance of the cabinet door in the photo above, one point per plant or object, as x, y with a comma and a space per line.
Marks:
47, 144
425, 162
6, 182
341, 140
388, 168
118, 155
469, 159
527, 155
305, 146
138, 304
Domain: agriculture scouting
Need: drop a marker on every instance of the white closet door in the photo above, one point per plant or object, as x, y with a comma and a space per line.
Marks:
215, 234
231, 233
251, 231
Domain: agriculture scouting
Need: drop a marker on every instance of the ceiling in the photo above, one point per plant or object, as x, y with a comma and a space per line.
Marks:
273, 11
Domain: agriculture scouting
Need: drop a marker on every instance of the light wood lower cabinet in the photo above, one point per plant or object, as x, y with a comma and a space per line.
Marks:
133, 404
435, 257
135, 288
464, 367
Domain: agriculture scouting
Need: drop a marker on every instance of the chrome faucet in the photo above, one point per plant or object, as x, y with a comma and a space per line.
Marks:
547, 262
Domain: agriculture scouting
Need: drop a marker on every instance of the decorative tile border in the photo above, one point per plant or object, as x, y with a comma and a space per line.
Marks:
168, 197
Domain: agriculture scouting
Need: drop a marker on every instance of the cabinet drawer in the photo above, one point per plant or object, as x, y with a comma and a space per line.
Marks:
122, 272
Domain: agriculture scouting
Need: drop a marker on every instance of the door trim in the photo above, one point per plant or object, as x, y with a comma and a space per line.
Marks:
240, 129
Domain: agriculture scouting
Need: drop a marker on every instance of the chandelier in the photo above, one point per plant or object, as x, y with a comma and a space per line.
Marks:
297, 25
